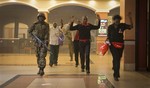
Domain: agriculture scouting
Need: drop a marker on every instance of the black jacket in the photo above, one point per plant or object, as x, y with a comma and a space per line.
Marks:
116, 34
84, 30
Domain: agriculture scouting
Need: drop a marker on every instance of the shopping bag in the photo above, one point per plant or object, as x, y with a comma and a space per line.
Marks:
117, 44
103, 49
61, 39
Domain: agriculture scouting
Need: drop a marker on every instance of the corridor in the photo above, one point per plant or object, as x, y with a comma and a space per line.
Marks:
66, 71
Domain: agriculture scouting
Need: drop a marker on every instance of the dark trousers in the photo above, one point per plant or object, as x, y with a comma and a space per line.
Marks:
116, 54
85, 54
76, 51
54, 54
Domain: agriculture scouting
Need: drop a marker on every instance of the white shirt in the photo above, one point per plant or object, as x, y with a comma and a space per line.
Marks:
71, 33
54, 33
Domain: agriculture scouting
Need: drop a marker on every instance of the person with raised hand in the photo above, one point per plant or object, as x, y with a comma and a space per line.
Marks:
85, 40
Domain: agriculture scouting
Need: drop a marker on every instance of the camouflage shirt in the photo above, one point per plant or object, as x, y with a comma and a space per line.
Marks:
41, 30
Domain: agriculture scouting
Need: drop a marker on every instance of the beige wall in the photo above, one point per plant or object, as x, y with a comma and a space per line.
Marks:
127, 6
45, 5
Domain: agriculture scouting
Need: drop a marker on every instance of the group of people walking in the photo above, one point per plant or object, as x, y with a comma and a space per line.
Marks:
54, 37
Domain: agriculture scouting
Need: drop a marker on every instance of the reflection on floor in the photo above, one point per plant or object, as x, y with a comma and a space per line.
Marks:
102, 65
59, 81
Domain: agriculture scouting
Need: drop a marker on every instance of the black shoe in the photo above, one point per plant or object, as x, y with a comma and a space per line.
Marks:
55, 64
88, 72
112, 68
116, 79
82, 70
51, 65
41, 72
71, 59
76, 66
38, 72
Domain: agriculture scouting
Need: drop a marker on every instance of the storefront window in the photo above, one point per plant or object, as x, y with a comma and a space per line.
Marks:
102, 31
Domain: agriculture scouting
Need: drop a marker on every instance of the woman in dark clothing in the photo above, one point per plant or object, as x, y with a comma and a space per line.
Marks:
115, 38
76, 48
84, 40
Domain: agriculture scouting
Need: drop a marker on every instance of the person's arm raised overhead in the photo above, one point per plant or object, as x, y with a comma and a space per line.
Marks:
130, 19
95, 27
61, 23
71, 24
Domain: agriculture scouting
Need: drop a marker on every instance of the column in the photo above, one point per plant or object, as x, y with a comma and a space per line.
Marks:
141, 35
135, 53
127, 6
148, 36
16, 29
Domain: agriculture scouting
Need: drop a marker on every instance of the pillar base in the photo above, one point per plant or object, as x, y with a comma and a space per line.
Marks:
129, 67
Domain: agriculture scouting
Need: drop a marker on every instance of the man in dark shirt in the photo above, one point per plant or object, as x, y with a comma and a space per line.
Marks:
84, 40
115, 38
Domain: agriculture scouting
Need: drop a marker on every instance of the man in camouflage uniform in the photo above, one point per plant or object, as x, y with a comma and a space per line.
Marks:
41, 30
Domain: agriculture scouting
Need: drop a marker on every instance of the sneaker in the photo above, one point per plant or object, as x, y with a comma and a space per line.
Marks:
88, 72
51, 65
55, 64
82, 70
71, 59
41, 72
112, 68
76, 65
116, 79
38, 72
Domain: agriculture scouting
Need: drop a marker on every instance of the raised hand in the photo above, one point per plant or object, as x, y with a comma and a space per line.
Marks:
130, 18
72, 19
61, 21
129, 14
98, 16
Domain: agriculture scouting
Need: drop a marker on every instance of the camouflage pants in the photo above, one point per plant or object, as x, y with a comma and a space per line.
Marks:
41, 53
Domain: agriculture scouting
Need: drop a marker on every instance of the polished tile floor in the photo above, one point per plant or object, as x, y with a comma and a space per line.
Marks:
58, 83
101, 65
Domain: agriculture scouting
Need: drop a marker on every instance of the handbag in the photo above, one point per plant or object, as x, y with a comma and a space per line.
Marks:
61, 39
117, 44
103, 49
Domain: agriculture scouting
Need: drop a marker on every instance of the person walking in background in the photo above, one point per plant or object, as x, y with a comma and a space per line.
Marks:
84, 40
41, 30
55, 33
68, 36
76, 46
115, 39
